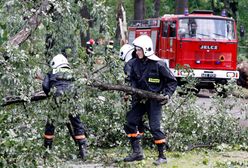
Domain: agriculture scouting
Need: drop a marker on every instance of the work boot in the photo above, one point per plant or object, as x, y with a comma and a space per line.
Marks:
161, 157
48, 143
82, 148
137, 151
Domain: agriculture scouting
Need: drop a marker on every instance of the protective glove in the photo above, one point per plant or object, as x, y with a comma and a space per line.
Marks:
165, 100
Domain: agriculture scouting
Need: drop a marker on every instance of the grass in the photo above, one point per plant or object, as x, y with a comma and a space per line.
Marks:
201, 158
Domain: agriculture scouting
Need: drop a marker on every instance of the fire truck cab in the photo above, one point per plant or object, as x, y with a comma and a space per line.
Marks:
202, 42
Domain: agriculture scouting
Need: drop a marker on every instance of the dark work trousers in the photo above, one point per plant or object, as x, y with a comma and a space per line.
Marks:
141, 127
77, 126
135, 115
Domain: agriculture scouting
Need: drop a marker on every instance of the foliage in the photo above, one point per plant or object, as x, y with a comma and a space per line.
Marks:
22, 125
189, 125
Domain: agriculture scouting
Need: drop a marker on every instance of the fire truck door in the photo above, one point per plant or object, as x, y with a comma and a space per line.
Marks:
163, 45
172, 41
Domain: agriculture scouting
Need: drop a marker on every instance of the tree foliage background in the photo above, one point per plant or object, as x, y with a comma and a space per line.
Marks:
62, 26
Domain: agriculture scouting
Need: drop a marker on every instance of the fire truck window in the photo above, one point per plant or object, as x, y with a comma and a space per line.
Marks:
173, 29
183, 28
206, 28
165, 29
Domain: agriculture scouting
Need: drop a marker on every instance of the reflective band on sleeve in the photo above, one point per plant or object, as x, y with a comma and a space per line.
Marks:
63, 70
77, 137
132, 135
48, 136
161, 141
154, 80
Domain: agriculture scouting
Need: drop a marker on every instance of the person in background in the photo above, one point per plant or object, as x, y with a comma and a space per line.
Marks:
90, 52
148, 73
89, 46
242, 31
126, 54
59, 84
110, 47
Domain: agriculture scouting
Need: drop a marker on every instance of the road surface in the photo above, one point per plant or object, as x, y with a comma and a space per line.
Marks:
238, 107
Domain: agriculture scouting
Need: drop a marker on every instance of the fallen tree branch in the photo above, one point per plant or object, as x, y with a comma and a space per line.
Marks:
129, 90
102, 86
194, 146
40, 95
31, 25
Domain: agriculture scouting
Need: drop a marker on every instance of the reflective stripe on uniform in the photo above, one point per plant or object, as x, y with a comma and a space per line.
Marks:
154, 80
48, 136
63, 70
160, 141
110, 46
133, 135
78, 137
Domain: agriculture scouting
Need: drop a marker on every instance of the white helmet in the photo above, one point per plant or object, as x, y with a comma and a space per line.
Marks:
145, 42
126, 52
59, 61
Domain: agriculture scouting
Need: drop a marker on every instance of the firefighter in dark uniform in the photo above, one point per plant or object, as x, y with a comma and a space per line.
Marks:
110, 47
149, 73
126, 54
59, 83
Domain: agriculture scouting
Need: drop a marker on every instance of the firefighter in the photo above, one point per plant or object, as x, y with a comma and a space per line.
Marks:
89, 46
126, 54
149, 73
90, 52
110, 47
59, 83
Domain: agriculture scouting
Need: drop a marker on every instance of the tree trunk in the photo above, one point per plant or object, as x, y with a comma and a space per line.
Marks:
156, 8
119, 15
139, 9
123, 27
181, 5
85, 35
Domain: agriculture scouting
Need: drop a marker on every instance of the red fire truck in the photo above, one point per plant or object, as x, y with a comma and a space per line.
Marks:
201, 41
